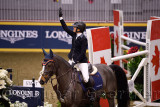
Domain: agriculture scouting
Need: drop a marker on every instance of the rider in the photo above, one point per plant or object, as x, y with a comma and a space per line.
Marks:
77, 54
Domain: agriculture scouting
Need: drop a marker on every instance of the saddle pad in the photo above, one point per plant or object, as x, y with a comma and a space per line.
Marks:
98, 83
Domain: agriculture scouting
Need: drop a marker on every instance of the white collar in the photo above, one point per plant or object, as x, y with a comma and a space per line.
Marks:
78, 34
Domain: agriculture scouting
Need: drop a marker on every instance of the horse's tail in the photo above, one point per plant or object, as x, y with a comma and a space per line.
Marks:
122, 86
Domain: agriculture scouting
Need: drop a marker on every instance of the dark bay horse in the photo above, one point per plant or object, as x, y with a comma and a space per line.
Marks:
69, 90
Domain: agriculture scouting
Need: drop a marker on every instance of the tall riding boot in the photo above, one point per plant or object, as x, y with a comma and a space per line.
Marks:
90, 90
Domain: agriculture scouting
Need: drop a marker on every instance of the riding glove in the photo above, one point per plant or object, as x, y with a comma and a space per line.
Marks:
60, 12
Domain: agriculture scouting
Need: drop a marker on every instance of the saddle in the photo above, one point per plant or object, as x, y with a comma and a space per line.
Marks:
94, 83
92, 71
95, 79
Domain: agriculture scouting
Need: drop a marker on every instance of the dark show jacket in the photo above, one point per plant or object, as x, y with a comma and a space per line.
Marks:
79, 45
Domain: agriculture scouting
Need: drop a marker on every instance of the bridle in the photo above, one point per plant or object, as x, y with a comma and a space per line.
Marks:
56, 86
44, 63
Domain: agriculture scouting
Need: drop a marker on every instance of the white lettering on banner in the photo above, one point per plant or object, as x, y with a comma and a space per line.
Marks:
23, 93
60, 35
17, 35
136, 36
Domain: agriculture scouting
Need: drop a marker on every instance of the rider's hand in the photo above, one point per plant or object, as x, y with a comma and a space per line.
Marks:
60, 12
73, 64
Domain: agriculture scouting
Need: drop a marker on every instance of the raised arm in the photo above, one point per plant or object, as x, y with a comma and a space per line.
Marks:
64, 26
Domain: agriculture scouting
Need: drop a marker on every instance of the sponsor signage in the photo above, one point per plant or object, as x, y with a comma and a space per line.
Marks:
30, 95
24, 36
29, 83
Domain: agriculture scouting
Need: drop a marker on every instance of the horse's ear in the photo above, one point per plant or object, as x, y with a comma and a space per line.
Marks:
51, 54
44, 52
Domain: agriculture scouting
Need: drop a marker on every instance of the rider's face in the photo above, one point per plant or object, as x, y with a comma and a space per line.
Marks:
74, 29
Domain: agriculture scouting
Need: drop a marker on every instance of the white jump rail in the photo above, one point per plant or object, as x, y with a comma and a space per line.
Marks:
130, 55
133, 41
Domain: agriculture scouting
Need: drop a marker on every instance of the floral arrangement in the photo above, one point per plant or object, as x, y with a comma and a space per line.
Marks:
132, 50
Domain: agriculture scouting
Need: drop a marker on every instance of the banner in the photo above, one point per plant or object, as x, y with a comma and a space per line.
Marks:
30, 95
54, 37
18, 36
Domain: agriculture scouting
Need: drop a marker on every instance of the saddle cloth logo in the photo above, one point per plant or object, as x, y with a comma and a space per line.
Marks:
16, 35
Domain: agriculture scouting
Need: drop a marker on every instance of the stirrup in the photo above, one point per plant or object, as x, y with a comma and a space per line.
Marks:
91, 94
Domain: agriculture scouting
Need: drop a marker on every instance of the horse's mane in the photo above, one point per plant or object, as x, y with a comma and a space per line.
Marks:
62, 59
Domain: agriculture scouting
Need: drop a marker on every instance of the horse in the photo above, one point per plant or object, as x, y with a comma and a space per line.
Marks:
69, 90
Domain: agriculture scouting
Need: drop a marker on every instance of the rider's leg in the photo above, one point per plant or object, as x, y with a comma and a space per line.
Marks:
84, 69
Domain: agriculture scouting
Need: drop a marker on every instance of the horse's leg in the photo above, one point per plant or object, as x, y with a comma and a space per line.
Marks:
63, 105
111, 101
74, 105
96, 104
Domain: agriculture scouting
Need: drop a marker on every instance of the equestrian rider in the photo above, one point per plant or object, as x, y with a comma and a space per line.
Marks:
77, 53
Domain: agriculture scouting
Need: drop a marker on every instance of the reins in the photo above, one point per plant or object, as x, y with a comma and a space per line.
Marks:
55, 87
61, 75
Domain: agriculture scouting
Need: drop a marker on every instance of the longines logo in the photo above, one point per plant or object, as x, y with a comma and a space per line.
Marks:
17, 35
135, 35
60, 35
23, 93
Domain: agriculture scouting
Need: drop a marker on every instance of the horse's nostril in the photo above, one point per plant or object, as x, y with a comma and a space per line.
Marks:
41, 82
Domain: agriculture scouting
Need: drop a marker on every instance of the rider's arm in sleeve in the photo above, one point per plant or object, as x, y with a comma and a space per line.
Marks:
65, 27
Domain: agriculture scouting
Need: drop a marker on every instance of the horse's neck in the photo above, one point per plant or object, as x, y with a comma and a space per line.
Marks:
64, 73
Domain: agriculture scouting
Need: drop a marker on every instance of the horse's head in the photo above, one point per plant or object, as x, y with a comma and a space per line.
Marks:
48, 67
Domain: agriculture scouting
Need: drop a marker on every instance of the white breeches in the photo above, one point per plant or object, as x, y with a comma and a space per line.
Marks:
84, 69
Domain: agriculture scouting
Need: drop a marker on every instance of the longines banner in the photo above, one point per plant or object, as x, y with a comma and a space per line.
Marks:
30, 95
23, 36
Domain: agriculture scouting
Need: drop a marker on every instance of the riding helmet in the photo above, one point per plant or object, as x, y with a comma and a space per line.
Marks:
80, 25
